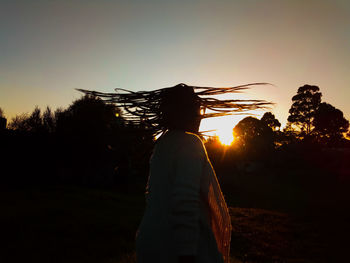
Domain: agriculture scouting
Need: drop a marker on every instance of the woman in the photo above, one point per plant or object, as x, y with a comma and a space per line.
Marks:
176, 224
186, 218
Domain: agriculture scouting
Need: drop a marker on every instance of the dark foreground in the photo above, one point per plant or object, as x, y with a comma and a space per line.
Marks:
71, 224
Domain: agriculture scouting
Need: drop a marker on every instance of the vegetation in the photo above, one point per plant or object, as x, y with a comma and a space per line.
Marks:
329, 123
305, 104
253, 133
3, 120
270, 120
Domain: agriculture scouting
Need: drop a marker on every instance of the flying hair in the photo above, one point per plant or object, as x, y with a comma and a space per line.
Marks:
145, 107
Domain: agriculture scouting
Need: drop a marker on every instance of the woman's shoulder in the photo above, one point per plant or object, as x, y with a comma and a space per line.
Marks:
193, 138
181, 139
191, 144
178, 144
187, 137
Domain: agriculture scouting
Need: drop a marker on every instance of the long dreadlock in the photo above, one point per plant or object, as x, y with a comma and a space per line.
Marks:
144, 107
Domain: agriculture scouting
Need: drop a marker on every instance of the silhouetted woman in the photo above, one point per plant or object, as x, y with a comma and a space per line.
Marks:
186, 218
176, 224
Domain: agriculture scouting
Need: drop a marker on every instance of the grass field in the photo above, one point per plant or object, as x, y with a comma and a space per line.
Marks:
68, 224
71, 224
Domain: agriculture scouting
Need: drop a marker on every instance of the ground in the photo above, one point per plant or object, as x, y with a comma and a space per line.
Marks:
73, 224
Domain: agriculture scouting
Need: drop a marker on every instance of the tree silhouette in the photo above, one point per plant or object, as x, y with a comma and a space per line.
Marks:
329, 123
48, 120
270, 120
87, 131
253, 135
35, 121
19, 122
302, 111
3, 120
87, 116
25, 122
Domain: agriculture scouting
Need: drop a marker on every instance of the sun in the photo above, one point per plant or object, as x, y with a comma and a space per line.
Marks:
225, 136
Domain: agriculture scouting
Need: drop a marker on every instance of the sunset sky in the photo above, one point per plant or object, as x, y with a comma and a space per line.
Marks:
50, 48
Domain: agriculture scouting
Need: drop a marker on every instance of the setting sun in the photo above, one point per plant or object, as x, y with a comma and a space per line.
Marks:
225, 136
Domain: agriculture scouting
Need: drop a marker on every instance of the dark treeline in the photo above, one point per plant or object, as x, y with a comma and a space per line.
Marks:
89, 143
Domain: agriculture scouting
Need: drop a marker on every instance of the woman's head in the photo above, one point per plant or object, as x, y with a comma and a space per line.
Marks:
180, 108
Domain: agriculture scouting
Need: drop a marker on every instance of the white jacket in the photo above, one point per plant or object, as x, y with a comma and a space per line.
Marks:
176, 219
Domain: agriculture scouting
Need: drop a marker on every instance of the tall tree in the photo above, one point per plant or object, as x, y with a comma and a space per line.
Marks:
302, 111
329, 122
270, 120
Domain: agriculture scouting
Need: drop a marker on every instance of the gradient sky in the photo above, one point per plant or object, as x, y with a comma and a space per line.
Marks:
49, 48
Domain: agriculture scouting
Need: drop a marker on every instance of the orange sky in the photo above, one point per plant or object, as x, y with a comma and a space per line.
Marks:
49, 48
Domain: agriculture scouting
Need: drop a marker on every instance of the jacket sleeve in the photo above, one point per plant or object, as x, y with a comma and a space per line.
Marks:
185, 196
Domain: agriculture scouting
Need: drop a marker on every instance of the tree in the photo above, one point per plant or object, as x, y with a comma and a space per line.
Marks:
87, 116
302, 111
270, 120
19, 122
35, 121
253, 135
48, 120
329, 122
3, 120
25, 122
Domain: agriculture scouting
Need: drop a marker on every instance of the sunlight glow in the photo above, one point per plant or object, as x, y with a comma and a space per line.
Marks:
225, 136
221, 127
